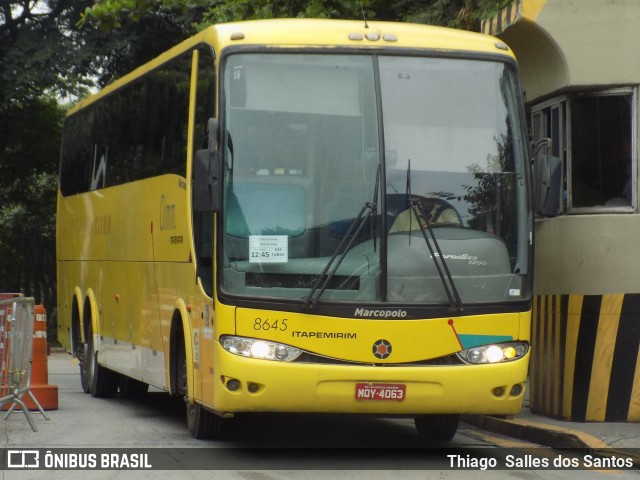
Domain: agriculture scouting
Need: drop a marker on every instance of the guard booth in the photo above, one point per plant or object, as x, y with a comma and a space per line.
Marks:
580, 70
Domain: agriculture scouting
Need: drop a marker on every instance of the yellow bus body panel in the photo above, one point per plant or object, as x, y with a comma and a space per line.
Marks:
317, 387
332, 389
352, 339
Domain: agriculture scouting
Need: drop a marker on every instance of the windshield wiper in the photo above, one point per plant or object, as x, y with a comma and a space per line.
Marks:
368, 209
322, 282
455, 302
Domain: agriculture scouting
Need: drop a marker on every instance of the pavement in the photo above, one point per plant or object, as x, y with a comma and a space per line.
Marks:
600, 438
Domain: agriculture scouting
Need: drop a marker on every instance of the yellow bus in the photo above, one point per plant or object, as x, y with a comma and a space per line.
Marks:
303, 216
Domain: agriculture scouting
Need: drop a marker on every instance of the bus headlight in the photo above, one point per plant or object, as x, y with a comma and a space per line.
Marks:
256, 348
501, 352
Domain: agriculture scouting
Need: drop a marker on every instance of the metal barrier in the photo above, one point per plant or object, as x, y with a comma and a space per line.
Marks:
16, 348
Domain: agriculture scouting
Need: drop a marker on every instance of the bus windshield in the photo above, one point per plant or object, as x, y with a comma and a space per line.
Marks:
373, 178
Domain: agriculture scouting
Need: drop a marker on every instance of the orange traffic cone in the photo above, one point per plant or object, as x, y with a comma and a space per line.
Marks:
47, 395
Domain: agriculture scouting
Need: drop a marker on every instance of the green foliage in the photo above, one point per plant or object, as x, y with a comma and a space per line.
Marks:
117, 14
465, 14
235, 10
491, 188
40, 48
29, 144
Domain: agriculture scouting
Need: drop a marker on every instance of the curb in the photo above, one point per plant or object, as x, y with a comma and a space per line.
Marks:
548, 435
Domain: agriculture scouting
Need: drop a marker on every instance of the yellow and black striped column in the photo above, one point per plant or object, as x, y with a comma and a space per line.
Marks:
502, 20
585, 361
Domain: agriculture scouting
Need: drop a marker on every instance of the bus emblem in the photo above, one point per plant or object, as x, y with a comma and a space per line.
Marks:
382, 349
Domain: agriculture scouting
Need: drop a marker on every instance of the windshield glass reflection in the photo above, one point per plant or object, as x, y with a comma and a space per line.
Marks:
304, 156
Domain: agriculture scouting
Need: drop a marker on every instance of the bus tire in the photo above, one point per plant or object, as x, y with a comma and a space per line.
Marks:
78, 346
201, 423
132, 388
437, 428
103, 383
84, 367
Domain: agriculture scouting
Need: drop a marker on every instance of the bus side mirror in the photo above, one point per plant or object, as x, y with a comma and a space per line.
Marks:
547, 174
206, 186
206, 174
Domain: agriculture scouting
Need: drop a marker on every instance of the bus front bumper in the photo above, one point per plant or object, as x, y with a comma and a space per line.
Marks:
250, 385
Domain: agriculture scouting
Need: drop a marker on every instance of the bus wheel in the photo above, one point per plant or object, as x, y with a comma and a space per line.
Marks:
437, 428
132, 388
84, 367
102, 382
201, 423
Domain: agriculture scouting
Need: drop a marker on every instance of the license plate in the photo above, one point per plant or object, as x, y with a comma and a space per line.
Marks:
381, 391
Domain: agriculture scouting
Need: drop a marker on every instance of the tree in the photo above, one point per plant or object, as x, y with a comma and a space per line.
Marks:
453, 13
120, 40
29, 145
46, 56
39, 47
39, 62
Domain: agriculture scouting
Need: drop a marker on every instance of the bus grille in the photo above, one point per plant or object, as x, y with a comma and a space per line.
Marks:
434, 362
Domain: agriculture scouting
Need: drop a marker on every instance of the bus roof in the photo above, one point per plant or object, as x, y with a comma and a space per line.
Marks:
322, 33
351, 33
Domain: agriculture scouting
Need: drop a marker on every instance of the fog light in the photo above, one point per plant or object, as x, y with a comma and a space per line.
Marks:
233, 385
498, 391
516, 390
253, 387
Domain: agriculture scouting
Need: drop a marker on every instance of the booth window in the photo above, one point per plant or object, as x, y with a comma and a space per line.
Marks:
592, 137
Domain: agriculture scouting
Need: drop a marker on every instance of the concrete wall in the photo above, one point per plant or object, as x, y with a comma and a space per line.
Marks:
574, 43
585, 254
